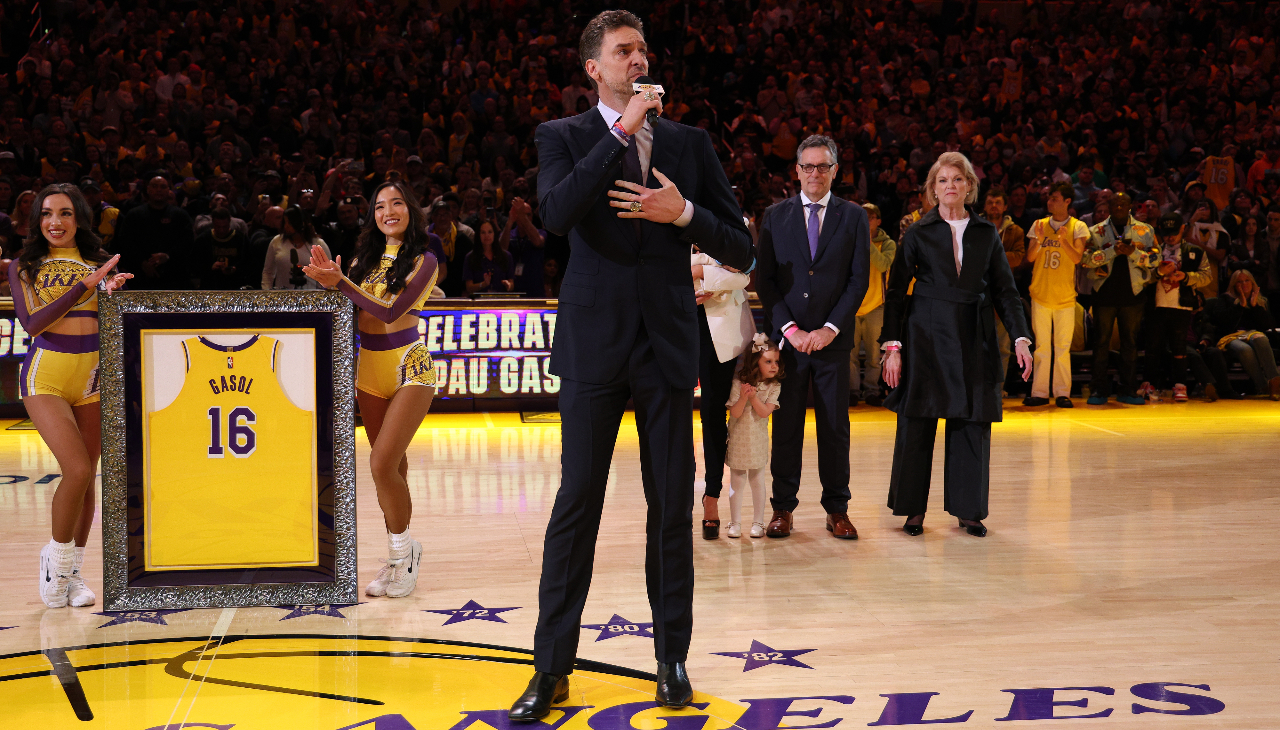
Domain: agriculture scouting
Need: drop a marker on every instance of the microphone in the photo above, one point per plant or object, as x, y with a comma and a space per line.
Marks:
297, 279
643, 84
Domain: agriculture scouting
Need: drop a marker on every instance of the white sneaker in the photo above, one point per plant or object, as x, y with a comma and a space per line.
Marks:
404, 572
379, 585
757, 529
55, 577
734, 529
79, 594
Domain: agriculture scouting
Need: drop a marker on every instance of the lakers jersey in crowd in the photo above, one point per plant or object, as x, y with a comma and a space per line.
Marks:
230, 478
1219, 179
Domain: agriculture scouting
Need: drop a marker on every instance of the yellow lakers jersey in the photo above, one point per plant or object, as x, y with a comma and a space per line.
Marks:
1053, 280
875, 289
1219, 179
375, 282
230, 477
62, 269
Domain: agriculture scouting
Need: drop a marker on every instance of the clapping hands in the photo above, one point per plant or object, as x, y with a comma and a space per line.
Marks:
326, 272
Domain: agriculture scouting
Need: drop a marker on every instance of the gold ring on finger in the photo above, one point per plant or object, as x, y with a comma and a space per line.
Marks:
636, 207
648, 96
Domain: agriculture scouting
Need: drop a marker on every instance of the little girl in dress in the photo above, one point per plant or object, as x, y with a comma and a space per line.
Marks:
754, 396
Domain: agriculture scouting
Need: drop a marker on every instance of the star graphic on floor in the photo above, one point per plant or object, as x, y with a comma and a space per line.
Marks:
321, 610
619, 626
760, 655
143, 617
472, 612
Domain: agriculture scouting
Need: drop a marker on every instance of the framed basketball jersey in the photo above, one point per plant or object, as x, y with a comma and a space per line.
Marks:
230, 478
228, 449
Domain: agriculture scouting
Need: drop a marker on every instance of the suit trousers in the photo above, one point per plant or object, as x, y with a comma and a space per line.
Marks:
590, 415
829, 373
966, 475
716, 380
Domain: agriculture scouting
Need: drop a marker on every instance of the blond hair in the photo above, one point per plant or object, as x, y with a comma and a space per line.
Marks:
1242, 275
959, 162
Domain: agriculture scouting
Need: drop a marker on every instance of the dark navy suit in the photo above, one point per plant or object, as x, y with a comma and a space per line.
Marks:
627, 328
812, 290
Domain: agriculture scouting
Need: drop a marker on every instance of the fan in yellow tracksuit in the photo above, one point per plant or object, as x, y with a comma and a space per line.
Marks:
870, 316
1055, 248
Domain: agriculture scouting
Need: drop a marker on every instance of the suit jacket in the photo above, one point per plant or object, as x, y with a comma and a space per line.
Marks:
811, 291
950, 360
616, 281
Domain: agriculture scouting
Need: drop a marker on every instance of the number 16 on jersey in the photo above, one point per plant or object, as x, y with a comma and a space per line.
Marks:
240, 437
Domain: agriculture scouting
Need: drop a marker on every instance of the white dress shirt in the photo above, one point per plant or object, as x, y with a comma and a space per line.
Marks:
824, 201
644, 138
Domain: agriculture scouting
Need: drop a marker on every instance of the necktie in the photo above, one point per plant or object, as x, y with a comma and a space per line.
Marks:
631, 163
631, 171
813, 228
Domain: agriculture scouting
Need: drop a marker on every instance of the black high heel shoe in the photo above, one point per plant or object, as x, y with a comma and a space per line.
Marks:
913, 530
977, 529
710, 528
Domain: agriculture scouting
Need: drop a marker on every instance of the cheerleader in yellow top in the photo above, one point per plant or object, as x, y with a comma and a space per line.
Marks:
391, 277
56, 280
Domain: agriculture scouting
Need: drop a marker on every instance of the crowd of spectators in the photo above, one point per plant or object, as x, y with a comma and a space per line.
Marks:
218, 140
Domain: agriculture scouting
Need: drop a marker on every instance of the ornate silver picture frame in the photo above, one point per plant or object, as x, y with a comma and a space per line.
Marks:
133, 578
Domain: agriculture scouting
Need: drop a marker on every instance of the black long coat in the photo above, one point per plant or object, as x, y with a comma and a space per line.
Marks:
950, 359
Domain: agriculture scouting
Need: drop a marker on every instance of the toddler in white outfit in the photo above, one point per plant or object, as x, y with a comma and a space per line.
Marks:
753, 398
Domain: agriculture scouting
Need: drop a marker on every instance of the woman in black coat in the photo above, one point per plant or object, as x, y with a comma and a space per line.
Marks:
942, 358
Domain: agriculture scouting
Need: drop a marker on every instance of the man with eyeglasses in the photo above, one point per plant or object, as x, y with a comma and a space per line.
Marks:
814, 270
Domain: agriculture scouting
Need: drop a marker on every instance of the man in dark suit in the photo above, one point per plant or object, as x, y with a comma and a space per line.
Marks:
814, 269
627, 329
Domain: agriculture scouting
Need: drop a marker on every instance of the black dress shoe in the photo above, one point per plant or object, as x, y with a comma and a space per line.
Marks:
1064, 402
875, 401
977, 529
913, 530
1033, 401
544, 690
674, 689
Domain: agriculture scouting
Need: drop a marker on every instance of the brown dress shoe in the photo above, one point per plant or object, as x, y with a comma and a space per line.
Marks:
780, 525
840, 526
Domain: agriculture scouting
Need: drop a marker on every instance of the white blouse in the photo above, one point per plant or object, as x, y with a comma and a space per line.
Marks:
276, 268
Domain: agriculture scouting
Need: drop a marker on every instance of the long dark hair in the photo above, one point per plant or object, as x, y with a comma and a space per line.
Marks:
300, 222
373, 242
36, 247
475, 256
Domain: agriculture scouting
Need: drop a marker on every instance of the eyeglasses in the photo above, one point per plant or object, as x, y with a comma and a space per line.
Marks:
824, 169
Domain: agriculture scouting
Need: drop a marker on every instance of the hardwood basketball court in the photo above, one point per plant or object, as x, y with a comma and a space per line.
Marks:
1131, 550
